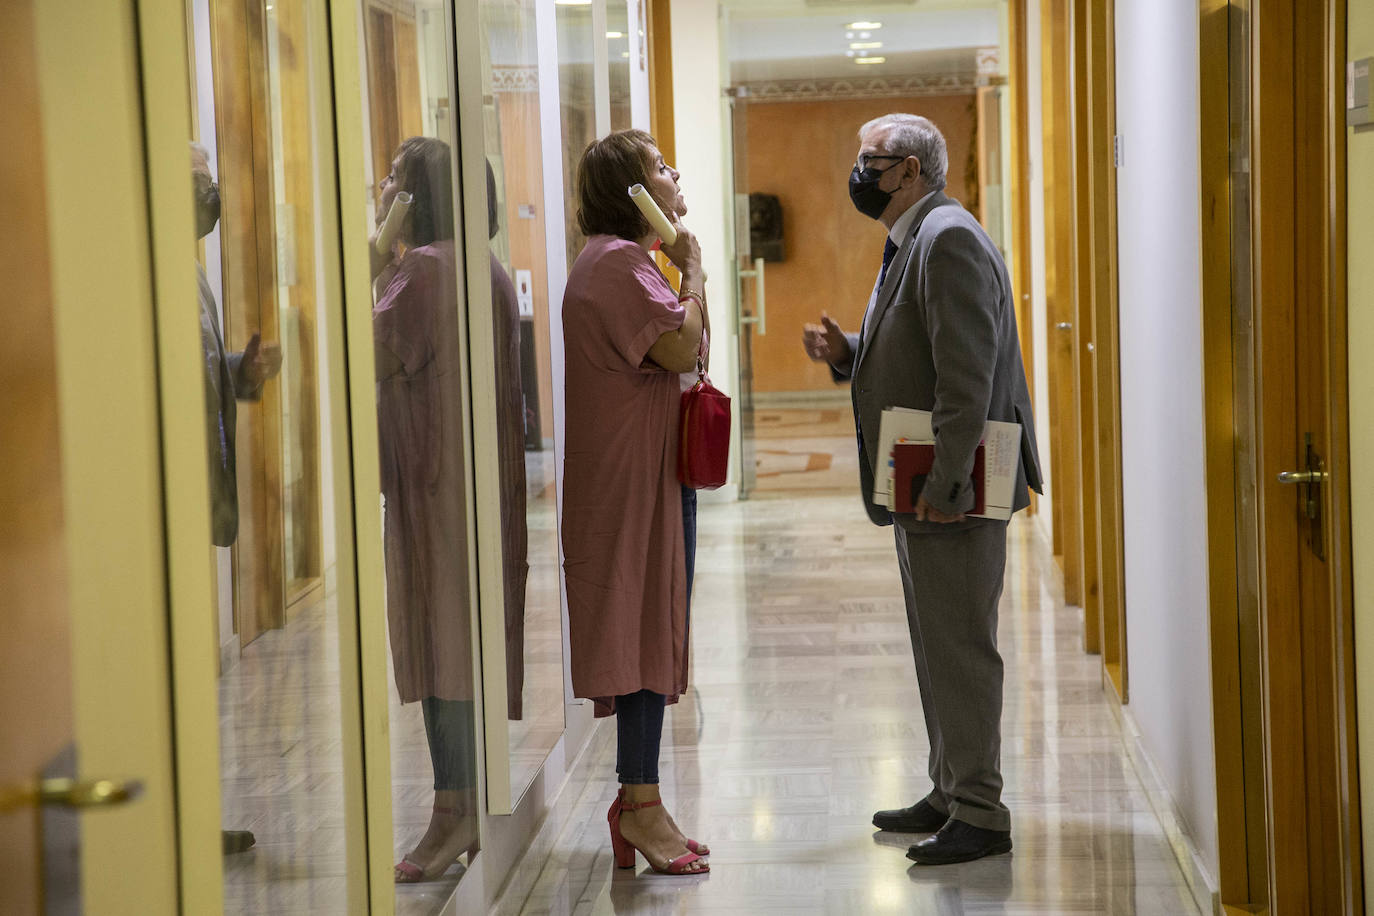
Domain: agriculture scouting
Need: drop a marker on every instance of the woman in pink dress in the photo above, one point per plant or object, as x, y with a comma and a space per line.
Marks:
420, 435
627, 337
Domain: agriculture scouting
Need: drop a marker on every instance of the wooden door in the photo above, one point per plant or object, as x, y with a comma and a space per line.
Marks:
1098, 353
1306, 612
248, 250
35, 651
1066, 482
392, 77
1288, 803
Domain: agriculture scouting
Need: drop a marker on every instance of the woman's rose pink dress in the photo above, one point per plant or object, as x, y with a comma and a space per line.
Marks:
622, 504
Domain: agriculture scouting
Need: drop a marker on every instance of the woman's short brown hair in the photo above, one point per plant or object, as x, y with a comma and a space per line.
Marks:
608, 168
424, 168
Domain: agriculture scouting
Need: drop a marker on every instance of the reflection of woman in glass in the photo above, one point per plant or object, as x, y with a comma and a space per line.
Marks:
420, 437
510, 430
627, 336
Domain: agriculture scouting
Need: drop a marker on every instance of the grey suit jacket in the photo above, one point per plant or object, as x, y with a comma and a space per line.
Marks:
942, 337
225, 383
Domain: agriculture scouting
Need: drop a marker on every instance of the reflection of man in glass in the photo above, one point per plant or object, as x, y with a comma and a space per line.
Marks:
510, 431
228, 377
420, 426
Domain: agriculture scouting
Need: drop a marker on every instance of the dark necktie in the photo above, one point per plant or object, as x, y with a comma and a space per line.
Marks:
889, 252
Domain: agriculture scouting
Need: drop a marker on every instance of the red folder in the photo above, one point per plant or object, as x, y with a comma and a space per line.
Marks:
911, 463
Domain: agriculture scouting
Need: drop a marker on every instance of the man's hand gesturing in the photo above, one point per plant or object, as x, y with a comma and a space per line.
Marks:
826, 341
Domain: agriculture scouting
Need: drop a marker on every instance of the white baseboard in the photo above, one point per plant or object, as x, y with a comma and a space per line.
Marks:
1201, 882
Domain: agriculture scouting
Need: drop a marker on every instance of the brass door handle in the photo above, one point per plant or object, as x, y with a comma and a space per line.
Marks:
70, 793
1302, 476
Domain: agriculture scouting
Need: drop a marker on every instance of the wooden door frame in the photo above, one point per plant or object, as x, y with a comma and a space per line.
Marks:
1288, 822
1019, 174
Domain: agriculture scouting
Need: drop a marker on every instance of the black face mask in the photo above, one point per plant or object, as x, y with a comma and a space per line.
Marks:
868, 198
207, 210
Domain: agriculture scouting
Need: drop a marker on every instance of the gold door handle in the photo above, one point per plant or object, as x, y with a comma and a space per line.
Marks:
70, 793
1302, 476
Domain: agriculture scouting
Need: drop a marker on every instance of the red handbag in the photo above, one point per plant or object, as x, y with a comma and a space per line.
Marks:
703, 455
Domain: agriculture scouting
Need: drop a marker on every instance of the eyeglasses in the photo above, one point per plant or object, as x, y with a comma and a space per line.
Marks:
865, 159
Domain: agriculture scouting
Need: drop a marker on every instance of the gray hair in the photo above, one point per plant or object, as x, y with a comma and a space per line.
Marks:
913, 135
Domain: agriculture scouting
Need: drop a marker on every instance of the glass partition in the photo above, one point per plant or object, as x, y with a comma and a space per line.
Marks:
419, 317
255, 69
619, 41
522, 386
577, 102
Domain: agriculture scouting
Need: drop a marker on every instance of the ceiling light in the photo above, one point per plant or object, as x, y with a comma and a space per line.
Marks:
615, 34
869, 60
848, 34
864, 25
573, 2
848, 53
624, 53
864, 45
865, 34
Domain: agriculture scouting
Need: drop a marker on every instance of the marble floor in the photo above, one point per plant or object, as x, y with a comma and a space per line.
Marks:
803, 717
801, 450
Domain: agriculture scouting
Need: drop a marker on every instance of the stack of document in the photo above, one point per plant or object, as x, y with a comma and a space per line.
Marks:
1001, 449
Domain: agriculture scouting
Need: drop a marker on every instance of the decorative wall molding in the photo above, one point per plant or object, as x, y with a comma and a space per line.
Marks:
815, 90
515, 79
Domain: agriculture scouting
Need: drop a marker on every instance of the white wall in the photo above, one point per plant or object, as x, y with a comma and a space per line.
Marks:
702, 136
1163, 476
1039, 323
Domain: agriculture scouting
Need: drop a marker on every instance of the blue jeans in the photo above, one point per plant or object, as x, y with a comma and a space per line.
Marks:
451, 727
689, 537
639, 730
639, 716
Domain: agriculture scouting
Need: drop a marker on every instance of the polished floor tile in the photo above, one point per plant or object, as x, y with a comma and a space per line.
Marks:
803, 717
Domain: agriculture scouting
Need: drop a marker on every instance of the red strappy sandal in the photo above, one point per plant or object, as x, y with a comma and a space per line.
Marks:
408, 872
700, 849
625, 850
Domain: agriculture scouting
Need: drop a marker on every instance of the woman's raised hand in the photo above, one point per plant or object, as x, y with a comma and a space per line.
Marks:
685, 252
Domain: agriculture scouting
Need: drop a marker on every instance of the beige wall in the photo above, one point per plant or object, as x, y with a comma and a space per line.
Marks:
803, 152
1361, 343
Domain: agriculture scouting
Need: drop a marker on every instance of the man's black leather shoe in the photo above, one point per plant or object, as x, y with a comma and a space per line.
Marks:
960, 842
919, 818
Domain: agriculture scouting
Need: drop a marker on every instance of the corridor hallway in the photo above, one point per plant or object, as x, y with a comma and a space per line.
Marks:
803, 717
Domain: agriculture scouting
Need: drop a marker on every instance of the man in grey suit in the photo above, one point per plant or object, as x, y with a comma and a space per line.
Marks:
940, 335
229, 376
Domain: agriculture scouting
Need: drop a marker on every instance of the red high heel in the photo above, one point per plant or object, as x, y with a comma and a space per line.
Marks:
407, 871
625, 850
700, 849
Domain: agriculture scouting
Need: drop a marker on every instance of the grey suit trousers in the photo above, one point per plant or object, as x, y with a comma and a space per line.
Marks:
952, 580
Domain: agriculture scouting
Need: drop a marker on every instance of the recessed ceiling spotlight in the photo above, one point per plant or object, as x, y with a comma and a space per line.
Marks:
865, 34
869, 60
864, 45
848, 34
864, 24
848, 53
